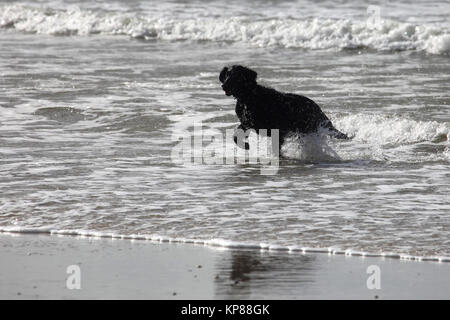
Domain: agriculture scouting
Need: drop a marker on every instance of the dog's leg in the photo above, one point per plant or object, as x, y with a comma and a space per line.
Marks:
281, 139
240, 136
277, 137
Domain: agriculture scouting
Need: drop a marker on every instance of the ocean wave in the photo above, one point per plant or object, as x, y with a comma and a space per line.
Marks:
221, 243
392, 138
383, 129
373, 137
311, 33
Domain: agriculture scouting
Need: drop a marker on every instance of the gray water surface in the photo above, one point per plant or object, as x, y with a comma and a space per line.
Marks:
86, 138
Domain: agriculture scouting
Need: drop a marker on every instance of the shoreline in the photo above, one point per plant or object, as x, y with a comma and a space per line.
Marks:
221, 243
38, 266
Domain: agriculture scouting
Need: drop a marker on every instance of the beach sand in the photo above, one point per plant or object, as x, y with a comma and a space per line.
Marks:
36, 267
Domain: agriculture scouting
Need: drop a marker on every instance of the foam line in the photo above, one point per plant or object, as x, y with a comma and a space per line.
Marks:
221, 243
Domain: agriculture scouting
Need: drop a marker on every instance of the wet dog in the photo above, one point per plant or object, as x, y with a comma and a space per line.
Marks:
260, 107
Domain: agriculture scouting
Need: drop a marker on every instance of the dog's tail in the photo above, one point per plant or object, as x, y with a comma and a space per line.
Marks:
333, 132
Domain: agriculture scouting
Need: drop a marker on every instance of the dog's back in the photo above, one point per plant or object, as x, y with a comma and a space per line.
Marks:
259, 107
287, 111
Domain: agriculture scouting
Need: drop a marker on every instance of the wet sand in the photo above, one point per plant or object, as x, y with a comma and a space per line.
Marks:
38, 267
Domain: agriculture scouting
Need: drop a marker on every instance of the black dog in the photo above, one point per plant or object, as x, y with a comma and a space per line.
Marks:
259, 107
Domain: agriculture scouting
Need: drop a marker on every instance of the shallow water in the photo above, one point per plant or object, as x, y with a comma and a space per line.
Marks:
92, 103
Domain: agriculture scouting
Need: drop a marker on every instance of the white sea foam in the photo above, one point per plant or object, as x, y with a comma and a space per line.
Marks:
386, 129
371, 134
311, 33
222, 243
309, 148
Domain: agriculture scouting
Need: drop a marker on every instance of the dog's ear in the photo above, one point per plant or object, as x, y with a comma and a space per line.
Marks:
222, 74
249, 74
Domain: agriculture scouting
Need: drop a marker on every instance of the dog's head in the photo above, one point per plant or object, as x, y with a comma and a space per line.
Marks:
237, 80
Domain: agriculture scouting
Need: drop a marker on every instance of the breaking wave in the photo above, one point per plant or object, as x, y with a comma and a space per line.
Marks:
311, 33
392, 130
373, 137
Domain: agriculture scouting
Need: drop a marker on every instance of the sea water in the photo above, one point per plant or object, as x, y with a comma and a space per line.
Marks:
93, 94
